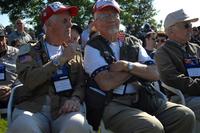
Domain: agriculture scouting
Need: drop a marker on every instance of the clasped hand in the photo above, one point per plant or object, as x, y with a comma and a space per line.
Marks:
69, 51
4, 92
70, 105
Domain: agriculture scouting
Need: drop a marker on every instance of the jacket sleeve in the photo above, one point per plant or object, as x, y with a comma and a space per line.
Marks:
30, 73
173, 73
78, 78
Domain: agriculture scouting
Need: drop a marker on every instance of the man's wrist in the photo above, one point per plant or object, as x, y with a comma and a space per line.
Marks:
56, 62
59, 61
130, 66
76, 98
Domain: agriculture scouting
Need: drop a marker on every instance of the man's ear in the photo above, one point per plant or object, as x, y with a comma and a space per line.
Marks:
95, 25
171, 30
49, 23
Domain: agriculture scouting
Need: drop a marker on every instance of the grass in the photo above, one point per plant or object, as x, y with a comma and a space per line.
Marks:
3, 125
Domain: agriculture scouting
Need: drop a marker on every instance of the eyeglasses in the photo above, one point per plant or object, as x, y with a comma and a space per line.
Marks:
2, 38
105, 17
161, 40
187, 25
19, 23
184, 25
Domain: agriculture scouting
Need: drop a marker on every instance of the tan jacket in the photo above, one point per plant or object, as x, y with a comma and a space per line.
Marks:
35, 72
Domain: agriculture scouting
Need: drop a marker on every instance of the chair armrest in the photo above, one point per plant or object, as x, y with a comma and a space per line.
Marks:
175, 91
10, 104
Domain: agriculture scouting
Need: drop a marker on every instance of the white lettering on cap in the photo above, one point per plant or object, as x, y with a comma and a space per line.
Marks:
56, 6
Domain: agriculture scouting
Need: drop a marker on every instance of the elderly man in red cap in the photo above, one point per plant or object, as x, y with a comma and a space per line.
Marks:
53, 79
120, 71
178, 60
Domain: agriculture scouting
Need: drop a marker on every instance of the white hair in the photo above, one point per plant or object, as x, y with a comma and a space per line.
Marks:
122, 28
44, 28
52, 18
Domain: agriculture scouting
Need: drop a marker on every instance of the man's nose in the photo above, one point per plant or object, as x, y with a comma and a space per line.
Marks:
70, 24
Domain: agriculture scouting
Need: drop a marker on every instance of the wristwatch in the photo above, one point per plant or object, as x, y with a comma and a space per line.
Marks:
56, 62
130, 66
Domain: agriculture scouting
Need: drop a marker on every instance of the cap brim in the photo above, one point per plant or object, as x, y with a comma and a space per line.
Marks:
150, 32
72, 9
190, 20
106, 6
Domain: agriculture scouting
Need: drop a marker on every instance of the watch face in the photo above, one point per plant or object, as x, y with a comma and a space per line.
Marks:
130, 66
56, 62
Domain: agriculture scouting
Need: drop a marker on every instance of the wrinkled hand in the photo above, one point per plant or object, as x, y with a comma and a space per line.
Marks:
4, 92
70, 105
69, 51
119, 66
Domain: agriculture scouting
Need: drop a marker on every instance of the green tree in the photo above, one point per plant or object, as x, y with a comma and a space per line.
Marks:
135, 12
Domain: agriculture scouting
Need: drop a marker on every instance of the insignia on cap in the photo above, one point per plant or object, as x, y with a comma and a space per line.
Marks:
56, 6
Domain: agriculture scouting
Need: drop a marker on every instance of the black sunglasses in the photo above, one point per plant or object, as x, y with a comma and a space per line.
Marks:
161, 40
187, 25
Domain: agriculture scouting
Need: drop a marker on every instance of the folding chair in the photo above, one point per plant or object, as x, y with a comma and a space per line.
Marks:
102, 128
11, 104
175, 91
2, 112
180, 94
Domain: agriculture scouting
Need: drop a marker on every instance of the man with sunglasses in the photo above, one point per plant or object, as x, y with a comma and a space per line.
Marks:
178, 60
161, 38
115, 67
195, 36
149, 40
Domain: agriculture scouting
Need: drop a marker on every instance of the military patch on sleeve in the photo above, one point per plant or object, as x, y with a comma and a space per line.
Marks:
25, 58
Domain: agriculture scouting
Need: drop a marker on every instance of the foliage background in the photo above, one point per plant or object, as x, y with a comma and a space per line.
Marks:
135, 12
3, 126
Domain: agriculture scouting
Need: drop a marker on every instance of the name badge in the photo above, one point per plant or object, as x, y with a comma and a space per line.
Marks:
193, 67
119, 90
61, 80
194, 71
2, 72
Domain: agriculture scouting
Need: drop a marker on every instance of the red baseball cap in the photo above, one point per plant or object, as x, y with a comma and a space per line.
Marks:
100, 4
56, 8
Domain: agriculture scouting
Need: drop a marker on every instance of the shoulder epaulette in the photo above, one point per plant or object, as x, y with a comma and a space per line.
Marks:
132, 39
24, 49
97, 41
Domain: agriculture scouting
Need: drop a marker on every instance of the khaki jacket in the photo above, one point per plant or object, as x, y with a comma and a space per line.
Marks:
169, 60
35, 72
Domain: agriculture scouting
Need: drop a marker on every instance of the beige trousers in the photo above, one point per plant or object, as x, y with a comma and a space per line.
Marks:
27, 122
173, 118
